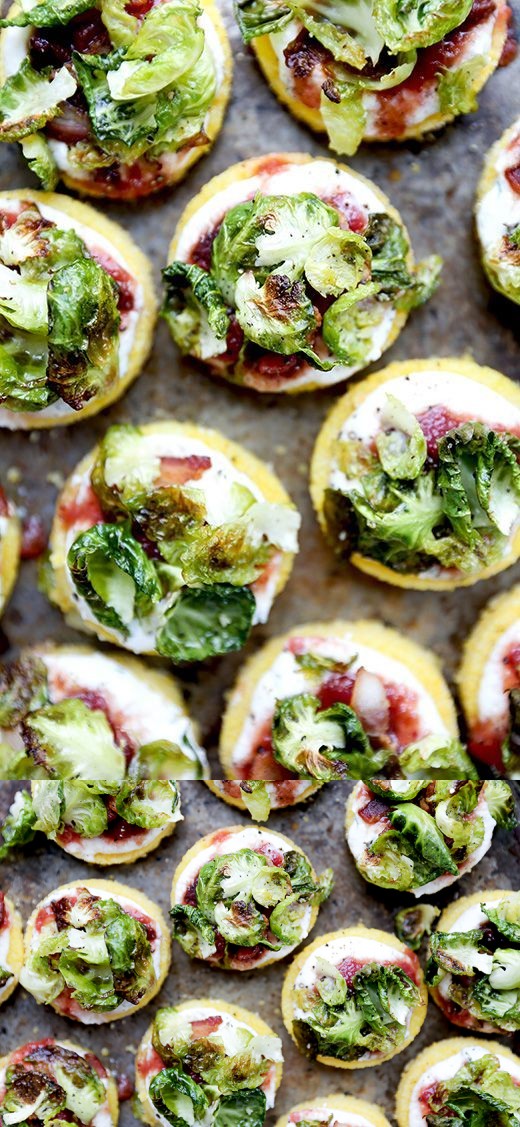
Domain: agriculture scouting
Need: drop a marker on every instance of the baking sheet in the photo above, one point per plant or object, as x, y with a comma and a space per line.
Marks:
433, 185
318, 829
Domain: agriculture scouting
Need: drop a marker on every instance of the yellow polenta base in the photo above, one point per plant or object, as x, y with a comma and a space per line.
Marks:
269, 485
432, 1055
288, 992
113, 889
485, 184
111, 1087
448, 922
323, 456
10, 547
339, 1103
496, 618
216, 788
140, 269
146, 1108
270, 67
187, 160
205, 843
246, 169
365, 633
15, 951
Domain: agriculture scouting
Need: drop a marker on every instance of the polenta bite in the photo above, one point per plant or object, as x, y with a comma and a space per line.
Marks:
473, 968
10, 547
244, 897
171, 539
415, 475
71, 712
77, 310
333, 700
354, 998
116, 100
384, 71
289, 272
460, 1073
95, 951
51, 1081
11, 949
101, 823
489, 684
208, 1063
419, 837
259, 797
497, 214
334, 1111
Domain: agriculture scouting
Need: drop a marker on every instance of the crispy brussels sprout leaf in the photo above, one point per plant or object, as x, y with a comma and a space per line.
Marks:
460, 953
30, 98
23, 370
396, 790
261, 17
177, 1098
506, 916
344, 118
349, 323
322, 744
112, 573
195, 310
437, 757
206, 621
242, 1109
277, 315
418, 827
18, 828
83, 332
401, 444
23, 689
121, 25
73, 741
501, 803
149, 805
48, 13
162, 759
193, 931
404, 25
457, 87
456, 819
337, 262
38, 155
256, 798
168, 43
412, 925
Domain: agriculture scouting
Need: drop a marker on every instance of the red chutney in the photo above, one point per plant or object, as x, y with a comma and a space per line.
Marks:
352, 217
149, 1063
80, 508
4, 504
124, 281
350, 966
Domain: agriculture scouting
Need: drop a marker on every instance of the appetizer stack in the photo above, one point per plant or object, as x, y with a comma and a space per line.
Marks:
170, 542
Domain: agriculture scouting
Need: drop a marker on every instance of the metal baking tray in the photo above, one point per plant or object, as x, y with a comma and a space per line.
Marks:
319, 829
433, 185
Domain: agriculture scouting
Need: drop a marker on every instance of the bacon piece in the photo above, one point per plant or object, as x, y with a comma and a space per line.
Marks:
177, 471
373, 812
204, 1027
